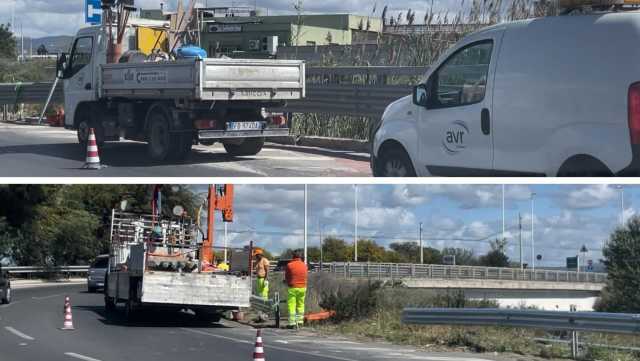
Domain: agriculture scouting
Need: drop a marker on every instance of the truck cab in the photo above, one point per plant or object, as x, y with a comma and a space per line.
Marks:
79, 70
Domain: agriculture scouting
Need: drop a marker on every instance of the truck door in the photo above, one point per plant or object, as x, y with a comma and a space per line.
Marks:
79, 84
455, 126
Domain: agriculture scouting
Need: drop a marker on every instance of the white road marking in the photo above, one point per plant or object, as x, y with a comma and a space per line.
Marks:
271, 347
80, 357
51, 296
18, 333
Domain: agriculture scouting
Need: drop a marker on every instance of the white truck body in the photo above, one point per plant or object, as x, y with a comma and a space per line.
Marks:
548, 97
132, 278
174, 104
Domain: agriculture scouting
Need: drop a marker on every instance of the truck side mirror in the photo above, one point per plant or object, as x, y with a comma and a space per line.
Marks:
421, 95
61, 66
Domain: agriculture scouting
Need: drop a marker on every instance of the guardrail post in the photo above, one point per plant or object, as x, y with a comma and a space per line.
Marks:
574, 338
413, 270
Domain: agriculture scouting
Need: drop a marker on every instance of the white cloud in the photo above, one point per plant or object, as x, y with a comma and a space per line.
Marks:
592, 196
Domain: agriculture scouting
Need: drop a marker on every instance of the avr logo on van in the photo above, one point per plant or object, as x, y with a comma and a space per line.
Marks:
455, 136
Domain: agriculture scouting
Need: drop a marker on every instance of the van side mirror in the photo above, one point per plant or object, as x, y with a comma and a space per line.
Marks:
61, 66
421, 95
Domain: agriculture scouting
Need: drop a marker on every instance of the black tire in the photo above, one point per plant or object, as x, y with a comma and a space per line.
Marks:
162, 142
210, 317
584, 166
109, 303
394, 163
83, 124
92, 289
250, 146
207, 143
6, 299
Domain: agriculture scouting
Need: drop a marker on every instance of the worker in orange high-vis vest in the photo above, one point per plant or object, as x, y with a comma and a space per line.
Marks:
296, 278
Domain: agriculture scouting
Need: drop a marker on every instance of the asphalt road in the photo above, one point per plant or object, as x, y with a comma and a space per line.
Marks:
30, 330
41, 151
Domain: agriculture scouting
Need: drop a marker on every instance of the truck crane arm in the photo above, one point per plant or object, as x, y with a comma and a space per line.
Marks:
220, 199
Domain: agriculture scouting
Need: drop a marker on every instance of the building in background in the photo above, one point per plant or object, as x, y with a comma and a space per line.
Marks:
243, 32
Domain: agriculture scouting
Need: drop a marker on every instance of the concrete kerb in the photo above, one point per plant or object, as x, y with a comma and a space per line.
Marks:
348, 145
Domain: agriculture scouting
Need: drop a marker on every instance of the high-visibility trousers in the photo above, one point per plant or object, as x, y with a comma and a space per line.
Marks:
295, 303
262, 287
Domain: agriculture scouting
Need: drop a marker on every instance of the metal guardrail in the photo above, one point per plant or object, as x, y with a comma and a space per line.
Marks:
30, 271
29, 93
398, 271
354, 91
546, 320
270, 307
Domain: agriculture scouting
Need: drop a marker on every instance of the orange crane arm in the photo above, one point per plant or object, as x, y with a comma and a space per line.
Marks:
220, 199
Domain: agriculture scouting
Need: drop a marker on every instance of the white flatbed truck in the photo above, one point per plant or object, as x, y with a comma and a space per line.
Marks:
173, 104
153, 264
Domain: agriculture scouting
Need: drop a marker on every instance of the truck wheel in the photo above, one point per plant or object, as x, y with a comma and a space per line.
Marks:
159, 146
7, 296
109, 303
250, 146
207, 316
91, 289
395, 163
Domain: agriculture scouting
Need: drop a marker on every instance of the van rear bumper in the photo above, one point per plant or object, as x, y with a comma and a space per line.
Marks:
633, 169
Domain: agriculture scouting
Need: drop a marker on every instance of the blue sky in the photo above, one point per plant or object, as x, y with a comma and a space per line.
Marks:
64, 17
565, 216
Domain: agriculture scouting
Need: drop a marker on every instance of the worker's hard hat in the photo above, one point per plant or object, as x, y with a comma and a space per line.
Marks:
257, 251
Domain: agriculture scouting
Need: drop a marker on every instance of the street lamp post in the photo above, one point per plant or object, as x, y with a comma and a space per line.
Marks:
533, 244
305, 225
503, 219
421, 247
355, 243
621, 189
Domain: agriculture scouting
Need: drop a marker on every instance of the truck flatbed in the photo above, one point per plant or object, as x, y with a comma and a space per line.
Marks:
206, 80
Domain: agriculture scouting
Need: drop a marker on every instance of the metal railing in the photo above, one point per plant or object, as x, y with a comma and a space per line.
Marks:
574, 322
31, 272
270, 307
354, 91
547, 320
398, 271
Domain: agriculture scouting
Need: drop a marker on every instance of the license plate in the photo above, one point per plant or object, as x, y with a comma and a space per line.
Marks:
236, 126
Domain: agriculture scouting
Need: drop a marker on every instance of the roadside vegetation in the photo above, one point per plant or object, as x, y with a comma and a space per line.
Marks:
371, 310
54, 225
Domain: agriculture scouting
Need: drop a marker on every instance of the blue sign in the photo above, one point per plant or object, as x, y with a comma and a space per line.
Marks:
92, 12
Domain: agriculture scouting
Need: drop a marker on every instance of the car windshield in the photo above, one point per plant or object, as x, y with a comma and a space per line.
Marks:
100, 263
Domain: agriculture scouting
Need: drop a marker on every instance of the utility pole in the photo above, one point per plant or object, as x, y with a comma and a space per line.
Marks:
533, 244
503, 220
355, 254
520, 227
421, 248
306, 261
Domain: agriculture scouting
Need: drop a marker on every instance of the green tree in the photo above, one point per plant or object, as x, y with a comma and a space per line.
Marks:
336, 250
464, 257
7, 42
496, 257
370, 251
622, 259
409, 252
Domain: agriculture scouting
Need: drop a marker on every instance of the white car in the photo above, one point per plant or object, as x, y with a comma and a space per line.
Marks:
555, 96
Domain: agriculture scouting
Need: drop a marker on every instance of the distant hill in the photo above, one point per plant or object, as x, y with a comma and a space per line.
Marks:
54, 44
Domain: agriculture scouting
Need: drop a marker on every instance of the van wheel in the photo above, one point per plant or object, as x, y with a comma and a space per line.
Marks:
584, 166
395, 163
91, 289
250, 146
109, 303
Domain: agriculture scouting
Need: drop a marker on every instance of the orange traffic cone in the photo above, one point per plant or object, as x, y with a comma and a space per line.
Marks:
93, 158
258, 352
68, 319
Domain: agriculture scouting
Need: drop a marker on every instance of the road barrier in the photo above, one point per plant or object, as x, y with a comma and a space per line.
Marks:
546, 320
399, 271
354, 91
32, 272
270, 307
621, 323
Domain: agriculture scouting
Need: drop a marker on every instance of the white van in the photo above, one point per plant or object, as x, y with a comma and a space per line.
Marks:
555, 96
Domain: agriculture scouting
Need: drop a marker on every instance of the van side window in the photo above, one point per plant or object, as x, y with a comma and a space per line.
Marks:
462, 79
81, 55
